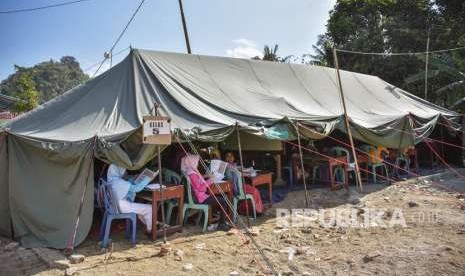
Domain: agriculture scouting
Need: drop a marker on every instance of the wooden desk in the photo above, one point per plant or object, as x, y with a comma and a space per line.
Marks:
332, 162
224, 186
171, 191
262, 179
227, 188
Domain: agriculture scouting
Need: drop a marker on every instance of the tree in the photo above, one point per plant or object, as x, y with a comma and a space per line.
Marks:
449, 82
27, 93
271, 54
51, 78
392, 26
323, 55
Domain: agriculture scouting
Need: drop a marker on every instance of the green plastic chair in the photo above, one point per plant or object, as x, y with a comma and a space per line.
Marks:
399, 159
190, 204
316, 171
241, 195
339, 171
374, 166
170, 176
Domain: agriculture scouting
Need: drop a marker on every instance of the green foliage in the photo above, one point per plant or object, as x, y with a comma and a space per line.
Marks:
271, 54
51, 78
390, 26
27, 93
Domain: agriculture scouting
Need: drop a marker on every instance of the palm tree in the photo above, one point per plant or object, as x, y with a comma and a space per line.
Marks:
270, 54
322, 56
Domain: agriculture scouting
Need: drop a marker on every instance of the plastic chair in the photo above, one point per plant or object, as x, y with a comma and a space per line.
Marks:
315, 171
112, 213
241, 195
290, 178
374, 165
191, 204
398, 168
170, 176
339, 170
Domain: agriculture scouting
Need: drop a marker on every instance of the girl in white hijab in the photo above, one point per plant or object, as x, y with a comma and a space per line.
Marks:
124, 192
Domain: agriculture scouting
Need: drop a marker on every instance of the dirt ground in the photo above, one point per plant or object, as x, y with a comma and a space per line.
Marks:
430, 243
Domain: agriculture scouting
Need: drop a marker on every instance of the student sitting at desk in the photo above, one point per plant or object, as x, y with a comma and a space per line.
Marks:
189, 164
125, 193
249, 189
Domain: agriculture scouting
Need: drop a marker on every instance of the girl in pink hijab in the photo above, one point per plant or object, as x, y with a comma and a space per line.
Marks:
189, 164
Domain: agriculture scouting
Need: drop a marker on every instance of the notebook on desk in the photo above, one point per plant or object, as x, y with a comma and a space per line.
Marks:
154, 187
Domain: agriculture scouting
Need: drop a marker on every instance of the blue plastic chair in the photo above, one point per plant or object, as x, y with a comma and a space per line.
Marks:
290, 178
111, 213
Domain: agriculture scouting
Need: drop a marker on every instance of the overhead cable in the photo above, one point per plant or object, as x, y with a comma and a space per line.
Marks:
401, 53
120, 36
43, 7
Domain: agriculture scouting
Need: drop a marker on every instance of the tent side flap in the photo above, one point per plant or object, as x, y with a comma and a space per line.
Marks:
5, 225
44, 200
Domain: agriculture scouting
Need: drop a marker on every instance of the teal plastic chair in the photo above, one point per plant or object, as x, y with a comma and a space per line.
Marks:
315, 173
339, 171
374, 166
170, 176
192, 205
398, 168
236, 177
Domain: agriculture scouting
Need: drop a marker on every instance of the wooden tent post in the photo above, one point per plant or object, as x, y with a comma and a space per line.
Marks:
302, 164
347, 124
160, 179
239, 147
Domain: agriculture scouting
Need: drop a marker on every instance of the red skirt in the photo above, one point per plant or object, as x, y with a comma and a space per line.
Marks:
250, 190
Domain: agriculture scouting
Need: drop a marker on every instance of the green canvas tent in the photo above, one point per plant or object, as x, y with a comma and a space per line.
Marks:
45, 155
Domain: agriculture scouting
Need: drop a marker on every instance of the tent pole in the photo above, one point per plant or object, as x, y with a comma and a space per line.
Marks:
184, 28
70, 246
160, 179
346, 120
302, 164
242, 173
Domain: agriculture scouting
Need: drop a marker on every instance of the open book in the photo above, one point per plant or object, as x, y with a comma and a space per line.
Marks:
217, 168
145, 177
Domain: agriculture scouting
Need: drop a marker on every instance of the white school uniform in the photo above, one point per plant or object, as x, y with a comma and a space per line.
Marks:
120, 189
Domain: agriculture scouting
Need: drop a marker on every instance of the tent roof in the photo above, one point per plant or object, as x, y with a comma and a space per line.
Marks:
7, 102
207, 92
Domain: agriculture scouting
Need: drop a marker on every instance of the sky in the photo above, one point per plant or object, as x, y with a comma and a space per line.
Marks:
235, 28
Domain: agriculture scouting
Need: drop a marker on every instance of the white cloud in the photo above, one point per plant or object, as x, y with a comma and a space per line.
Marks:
244, 49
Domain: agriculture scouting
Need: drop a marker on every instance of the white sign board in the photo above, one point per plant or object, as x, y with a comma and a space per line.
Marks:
156, 130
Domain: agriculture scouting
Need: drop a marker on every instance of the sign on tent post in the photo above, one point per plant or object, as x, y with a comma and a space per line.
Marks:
156, 130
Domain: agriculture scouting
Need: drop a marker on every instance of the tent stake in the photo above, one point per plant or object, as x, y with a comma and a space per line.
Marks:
242, 174
302, 164
346, 120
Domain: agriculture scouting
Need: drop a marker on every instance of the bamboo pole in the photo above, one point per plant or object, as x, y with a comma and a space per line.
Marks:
347, 124
242, 173
160, 180
302, 164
